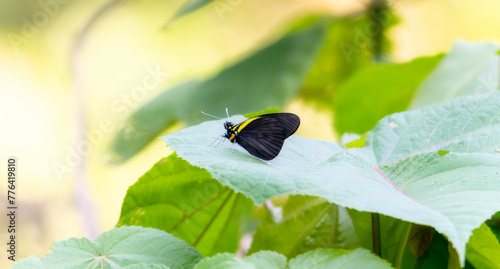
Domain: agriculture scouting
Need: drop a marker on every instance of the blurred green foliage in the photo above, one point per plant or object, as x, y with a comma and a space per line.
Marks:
343, 65
376, 91
269, 78
188, 7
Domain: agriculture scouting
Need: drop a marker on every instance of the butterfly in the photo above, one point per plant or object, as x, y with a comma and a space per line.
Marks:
263, 136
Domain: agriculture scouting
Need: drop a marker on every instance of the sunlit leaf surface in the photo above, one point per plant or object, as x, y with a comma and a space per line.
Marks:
398, 173
126, 246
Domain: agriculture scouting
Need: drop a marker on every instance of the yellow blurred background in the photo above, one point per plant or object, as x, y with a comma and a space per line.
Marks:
127, 46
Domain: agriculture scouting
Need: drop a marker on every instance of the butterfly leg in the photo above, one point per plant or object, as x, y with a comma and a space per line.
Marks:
214, 142
232, 147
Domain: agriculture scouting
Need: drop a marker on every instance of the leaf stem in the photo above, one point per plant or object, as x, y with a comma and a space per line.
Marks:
377, 246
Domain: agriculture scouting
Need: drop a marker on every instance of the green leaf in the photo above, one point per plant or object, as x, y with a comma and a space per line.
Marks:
291, 235
467, 124
442, 152
185, 201
350, 45
248, 175
380, 90
376, 91
29, 263
408, 259
436, 256
362, 225
454, 259
146, 266
398, 173
268, 78
336, 230
419, 239
308, 223
259, 260
496, 216
467, 69
494, 224
118, 247
223, 261
265, 111
351, 140
267, 259
342, 54
338, 258
483, 249
394, 237
320, 258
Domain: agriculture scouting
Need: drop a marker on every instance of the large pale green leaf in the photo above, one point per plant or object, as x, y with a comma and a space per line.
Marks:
483, 249
376, 91
187, 202
267, 259
320, 258
259, 260
118, 248
223, 261
146, 266
398, 173
338, 258
466, 125
268, 78
467, 69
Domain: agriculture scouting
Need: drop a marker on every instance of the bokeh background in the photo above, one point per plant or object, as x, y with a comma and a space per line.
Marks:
64, 69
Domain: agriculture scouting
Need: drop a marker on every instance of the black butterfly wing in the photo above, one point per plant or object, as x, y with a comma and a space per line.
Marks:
264, 136
290, 122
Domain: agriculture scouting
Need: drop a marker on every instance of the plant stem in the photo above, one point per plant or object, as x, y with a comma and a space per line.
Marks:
81, 187
377, 246
376, 11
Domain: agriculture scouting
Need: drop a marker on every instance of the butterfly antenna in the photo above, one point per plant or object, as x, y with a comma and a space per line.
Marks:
210, 115
227, 113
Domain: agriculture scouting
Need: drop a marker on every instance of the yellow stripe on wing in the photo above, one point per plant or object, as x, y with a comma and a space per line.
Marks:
242, 125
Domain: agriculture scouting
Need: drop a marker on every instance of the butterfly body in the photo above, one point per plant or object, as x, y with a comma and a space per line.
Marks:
263, 136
